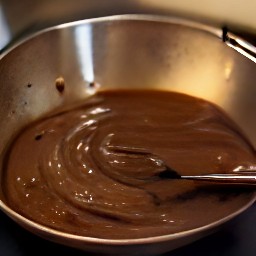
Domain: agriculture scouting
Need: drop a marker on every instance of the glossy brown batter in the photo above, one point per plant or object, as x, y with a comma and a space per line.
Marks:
96, 170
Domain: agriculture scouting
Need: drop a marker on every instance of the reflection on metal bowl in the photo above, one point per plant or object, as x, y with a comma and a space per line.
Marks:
129, 51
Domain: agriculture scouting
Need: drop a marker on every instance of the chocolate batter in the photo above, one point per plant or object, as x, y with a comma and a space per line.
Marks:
97, 170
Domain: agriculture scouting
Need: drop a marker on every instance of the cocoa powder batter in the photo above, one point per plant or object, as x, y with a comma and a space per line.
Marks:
95, 170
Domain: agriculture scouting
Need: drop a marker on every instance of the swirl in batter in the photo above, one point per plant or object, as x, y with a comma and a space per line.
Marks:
94, 170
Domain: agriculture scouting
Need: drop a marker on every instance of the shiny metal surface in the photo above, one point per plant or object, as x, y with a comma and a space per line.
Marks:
239, 44
227, 179
19, 18
123, 52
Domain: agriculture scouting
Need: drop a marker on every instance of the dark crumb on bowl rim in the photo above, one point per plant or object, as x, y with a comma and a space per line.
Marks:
60, 84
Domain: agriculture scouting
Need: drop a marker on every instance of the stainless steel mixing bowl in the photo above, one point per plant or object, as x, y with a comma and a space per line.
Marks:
129, 51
